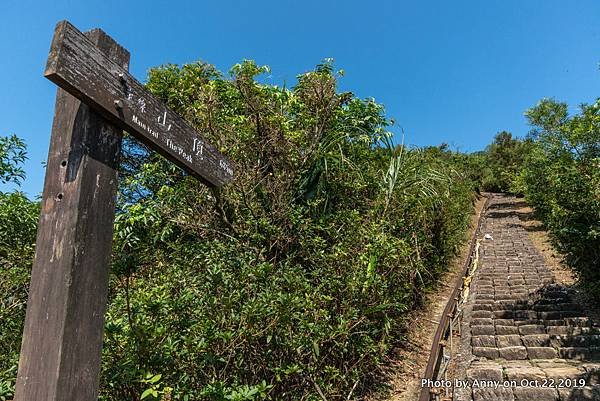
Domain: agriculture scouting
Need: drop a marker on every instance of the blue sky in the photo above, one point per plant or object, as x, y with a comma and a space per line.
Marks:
447, 71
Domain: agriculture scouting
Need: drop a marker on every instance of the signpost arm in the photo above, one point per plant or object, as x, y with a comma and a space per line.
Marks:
77, 65
62, 338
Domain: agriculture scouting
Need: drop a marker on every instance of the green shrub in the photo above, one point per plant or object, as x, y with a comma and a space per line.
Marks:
501, 163
294, 281
12, 155
18, 221
561, 179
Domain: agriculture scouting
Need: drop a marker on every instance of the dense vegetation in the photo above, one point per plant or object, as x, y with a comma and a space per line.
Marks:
18, 222
561, 179
293, 282
557, 168
501, 162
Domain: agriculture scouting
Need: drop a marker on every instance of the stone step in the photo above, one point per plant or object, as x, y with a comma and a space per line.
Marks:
581, 321
592, 376
552, 301
529, 329
583, 340
513, 353
571, 322
571, 331
563, 306
580, 353
568, 381
527, 322
586, 393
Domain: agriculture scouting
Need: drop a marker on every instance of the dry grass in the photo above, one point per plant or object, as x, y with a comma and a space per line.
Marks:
563, 274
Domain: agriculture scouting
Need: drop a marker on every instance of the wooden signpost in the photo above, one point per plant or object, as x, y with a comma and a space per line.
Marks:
96, 101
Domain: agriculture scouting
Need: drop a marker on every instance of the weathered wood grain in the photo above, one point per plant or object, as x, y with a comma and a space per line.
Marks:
62, 337
80, 68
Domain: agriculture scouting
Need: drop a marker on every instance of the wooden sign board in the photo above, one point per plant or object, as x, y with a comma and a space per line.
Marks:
79, 67
96, 101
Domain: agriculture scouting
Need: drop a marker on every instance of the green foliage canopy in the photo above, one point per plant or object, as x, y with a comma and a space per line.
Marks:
502, 161
18, 222
12, 155
294, 281
561, 178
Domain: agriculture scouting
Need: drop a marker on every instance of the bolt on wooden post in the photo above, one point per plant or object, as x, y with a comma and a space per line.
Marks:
96, 101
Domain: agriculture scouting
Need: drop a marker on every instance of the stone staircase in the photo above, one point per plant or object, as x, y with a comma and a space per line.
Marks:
523, 331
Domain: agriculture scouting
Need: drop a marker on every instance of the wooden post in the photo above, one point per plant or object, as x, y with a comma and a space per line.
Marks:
62, 338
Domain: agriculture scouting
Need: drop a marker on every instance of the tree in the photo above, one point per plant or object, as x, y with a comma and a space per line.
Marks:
18, 221
12, 154
561, 178
504, 159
